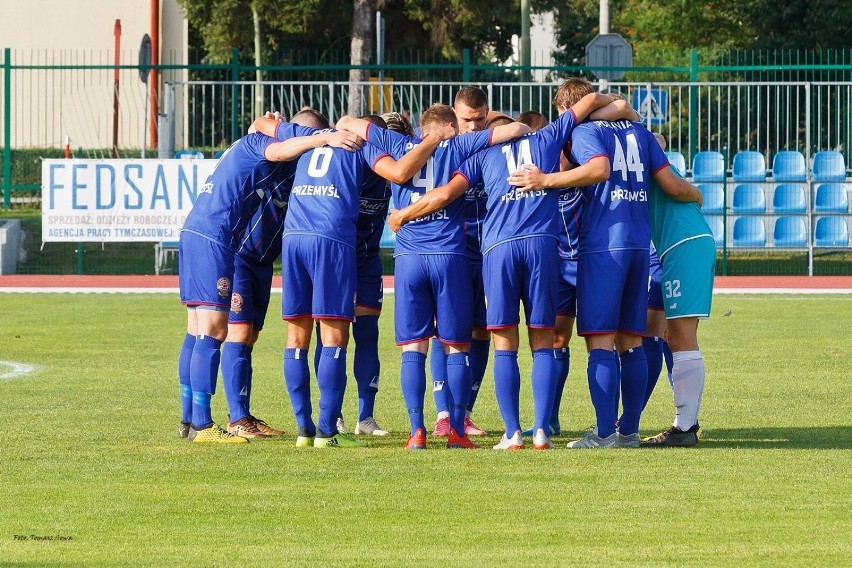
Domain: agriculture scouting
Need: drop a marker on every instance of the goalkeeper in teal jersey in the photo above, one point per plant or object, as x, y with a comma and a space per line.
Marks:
687, 252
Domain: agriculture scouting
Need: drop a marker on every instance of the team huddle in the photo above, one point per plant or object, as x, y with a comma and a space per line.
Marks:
489, 215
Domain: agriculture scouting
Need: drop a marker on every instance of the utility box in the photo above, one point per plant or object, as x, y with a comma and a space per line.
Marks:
10, 245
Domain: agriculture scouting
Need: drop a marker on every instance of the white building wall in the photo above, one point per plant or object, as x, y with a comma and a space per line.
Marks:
48, 105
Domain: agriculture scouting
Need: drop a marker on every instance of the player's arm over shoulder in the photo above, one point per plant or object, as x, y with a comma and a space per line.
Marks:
508, 132
619, 109
590, 103
430, 202
676, 187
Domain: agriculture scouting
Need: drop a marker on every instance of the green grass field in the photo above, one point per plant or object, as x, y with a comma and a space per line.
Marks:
91, 459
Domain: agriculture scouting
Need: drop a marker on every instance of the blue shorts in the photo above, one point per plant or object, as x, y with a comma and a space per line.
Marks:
479, 319
566, 288
431, 297
521, 271
318, 277
206, 272
655, 291
612, 292
250, 300
370, 288
688, 271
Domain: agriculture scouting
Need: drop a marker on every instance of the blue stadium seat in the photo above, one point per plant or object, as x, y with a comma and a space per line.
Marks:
829, 166
678, 161
708, 166
789, 198
790, 232
789, 165
749, 166
831, 198
718, 227
218, 154
831, 232
714, 197
189, 154
749, 198
388, 239
749, 232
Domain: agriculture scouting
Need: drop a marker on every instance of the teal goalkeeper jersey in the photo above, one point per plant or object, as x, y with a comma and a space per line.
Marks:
673, 222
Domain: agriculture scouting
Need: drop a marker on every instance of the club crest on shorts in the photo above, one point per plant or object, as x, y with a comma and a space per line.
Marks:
223, 285
236, 303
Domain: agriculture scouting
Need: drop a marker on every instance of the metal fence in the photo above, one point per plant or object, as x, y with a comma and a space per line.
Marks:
48, 98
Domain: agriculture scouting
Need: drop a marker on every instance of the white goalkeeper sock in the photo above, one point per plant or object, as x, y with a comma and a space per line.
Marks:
688, 386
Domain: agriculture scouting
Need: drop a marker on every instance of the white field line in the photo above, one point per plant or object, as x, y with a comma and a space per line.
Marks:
17, 369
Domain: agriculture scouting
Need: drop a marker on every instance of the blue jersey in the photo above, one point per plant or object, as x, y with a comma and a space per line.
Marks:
475, 205
615, 212
570, 211
235, 189
326, 190
372, 212
441, 232
512, 214
262, 240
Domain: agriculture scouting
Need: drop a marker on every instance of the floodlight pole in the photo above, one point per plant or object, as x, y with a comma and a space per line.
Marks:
526, 44
603, 25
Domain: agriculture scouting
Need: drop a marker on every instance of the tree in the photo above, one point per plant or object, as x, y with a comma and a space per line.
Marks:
361, 50
483, 26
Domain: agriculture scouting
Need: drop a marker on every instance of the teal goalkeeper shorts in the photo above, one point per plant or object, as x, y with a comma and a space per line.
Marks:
687, 282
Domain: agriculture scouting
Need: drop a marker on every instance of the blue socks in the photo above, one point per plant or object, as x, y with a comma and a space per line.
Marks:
458, 380
331, 380
544, 372
184, 360
603, 387
438, 370
412, 379
235, 374
507, 387
365, 332
654, 353
634, 384
563, 364
203, 372
478, 362
297, 375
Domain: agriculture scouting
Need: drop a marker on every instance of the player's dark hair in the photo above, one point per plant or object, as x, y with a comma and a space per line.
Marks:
571, 91
311, 118
438, 115
398, 123
474, 97
534, 119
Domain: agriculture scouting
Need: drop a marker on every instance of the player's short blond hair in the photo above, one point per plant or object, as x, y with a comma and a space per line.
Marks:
438, 115
571, 91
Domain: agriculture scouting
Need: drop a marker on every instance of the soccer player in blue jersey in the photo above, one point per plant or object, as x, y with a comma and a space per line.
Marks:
430, 259
320, 274
373, 209
208, 241
471, 107
258, 250
520, 260
617, 160
688, 258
